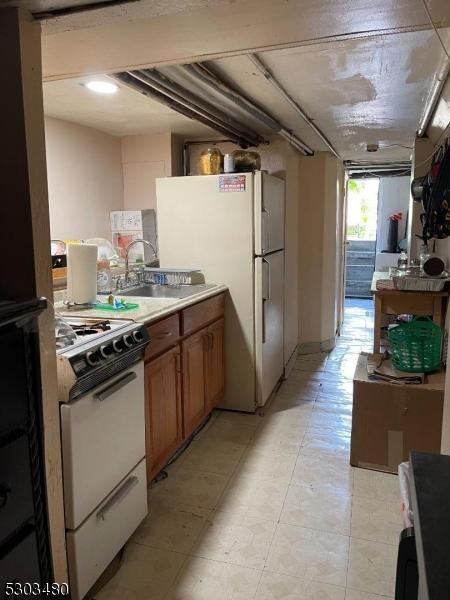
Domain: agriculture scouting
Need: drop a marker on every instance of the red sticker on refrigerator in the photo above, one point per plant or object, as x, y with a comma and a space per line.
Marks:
232, 183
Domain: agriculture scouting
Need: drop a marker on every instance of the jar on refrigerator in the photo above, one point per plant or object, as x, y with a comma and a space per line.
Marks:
210, 161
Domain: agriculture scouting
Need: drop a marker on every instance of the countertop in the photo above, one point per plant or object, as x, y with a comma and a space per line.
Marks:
150, 309
431, 507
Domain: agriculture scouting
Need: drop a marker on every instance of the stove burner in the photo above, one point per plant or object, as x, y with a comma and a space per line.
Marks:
91, 328
86, 331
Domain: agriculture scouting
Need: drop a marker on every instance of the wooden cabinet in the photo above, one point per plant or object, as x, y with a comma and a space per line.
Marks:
215, 365
163, 335
194, 375
163, 414
184, 376
203, 374
199, 315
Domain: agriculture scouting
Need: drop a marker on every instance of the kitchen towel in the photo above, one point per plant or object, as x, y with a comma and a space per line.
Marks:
81, 273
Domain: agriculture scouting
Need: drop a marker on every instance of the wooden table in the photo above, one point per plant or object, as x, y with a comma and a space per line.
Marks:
397, 302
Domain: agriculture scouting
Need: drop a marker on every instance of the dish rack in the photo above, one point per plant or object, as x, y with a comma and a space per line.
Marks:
173, 277
421, 284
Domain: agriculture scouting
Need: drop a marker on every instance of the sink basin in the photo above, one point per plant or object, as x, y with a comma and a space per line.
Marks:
166, 291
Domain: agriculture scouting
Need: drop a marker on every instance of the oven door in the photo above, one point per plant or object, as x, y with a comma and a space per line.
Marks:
103, 438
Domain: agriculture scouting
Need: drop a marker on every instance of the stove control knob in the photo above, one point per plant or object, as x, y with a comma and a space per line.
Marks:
117, 345
137, 335
106, 350
128, 340
92, 358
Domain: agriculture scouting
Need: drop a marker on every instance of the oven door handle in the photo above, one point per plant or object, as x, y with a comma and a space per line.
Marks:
115, 387
118, 496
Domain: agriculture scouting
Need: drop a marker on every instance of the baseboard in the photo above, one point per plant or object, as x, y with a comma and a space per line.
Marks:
290, 363
328, 345
314, 347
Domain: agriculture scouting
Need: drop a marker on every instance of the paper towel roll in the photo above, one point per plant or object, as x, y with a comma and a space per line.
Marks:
81, 273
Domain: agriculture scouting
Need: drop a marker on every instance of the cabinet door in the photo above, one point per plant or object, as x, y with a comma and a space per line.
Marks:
194, 372
163, 418
215, 371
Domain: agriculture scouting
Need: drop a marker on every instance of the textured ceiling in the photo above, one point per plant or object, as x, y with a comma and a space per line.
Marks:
125, 113
357, 91
363, 70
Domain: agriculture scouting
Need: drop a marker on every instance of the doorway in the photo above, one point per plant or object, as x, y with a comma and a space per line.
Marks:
361, 235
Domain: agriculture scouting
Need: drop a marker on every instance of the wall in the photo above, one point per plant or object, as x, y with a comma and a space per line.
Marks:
25, 215
84, 168
393, 196
281, 160
144, 158
340, 245
320, 243
440, 129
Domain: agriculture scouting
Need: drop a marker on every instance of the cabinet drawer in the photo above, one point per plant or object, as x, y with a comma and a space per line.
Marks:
197, 316
94, 544
163, 335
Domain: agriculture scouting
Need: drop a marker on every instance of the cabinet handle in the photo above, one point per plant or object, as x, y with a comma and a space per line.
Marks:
163, 335
211, 337
178, 362
205, 337
118, 496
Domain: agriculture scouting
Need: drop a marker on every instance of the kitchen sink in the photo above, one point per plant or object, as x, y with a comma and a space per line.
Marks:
166, 291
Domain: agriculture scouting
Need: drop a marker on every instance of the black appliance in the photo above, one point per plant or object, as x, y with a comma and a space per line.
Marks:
407, 578
24, 538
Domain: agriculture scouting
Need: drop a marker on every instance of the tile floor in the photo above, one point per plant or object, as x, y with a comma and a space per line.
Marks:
266, 506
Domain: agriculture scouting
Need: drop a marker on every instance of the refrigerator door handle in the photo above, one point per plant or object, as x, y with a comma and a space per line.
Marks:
265, 230
266, 279
264, 321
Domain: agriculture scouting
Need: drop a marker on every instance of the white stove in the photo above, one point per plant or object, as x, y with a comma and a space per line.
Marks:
91, 350
102, 395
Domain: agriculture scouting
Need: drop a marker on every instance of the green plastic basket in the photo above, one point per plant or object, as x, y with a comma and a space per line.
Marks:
416, 346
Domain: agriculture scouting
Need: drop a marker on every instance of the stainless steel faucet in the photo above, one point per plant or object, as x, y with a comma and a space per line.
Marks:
127, 250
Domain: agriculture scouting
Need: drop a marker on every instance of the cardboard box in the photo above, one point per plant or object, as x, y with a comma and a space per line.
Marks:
389, 420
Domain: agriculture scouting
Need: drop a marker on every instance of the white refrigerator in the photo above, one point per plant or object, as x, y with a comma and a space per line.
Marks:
232, 228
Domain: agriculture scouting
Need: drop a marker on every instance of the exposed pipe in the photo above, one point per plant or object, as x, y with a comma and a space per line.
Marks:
433, 99
268, 75
439, 83
375, 168
143, 87
175, 96
295, 141
147, 91
205, 76
180, 94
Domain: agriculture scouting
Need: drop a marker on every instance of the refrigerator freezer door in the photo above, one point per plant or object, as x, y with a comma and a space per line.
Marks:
269, 301
269, 214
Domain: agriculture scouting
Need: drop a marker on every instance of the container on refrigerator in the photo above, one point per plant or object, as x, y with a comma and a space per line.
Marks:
232, 228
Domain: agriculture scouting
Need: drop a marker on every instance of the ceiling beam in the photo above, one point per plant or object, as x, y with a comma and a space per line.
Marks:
73, 48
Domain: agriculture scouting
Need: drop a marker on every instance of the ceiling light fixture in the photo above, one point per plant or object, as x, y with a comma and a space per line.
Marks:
102, 87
